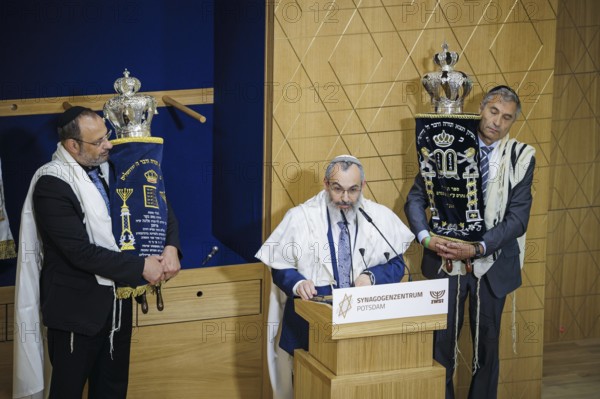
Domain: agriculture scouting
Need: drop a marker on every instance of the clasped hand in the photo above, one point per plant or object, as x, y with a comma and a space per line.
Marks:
450, 249
158, 268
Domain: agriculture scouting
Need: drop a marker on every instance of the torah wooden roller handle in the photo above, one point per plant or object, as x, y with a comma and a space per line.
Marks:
449, 265
468, 265
160, 305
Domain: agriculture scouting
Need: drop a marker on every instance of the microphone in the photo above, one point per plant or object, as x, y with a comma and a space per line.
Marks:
386, 240
387, 256
212, 253
362, 255
350, 245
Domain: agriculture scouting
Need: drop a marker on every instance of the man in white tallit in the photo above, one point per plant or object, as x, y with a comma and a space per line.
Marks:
323, 244
68, 266
497, 260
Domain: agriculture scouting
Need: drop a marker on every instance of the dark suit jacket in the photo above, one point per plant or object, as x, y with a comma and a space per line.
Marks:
505, 274
71, 299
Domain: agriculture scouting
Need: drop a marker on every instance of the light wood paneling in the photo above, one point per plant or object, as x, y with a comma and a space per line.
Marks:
6, 364
203, 359
7, 298
378, 344
208, 346
378, 359
7, 295
321, 383
346, 79
207, 301
573, 261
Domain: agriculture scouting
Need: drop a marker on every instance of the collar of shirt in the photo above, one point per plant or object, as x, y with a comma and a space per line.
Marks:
492, 146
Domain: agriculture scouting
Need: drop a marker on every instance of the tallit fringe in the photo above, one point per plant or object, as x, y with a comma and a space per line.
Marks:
513, 326
476, 344
128, 292
456, 350
116, 323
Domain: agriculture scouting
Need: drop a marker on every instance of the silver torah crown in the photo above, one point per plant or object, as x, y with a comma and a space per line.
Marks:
448, 88
129, 113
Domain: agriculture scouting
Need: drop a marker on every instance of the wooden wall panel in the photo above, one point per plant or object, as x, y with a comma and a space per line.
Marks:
572, 284
346, 79
7, 295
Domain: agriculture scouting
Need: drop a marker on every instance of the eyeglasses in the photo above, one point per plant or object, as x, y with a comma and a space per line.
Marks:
97, 143
339, 190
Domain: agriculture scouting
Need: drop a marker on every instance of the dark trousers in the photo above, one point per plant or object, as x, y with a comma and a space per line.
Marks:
484, 384
91, 360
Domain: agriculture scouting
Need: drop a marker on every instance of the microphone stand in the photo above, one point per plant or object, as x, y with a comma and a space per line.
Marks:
362, 255
386, 240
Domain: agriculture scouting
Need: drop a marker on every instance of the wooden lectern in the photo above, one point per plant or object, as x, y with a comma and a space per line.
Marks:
377, 359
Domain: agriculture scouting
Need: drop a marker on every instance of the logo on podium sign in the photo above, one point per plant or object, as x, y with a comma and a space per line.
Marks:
438, 296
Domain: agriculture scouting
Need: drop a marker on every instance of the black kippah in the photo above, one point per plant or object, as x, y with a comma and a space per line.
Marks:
70, 115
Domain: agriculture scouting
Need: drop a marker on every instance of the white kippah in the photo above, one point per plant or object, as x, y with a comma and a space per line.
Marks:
346, 158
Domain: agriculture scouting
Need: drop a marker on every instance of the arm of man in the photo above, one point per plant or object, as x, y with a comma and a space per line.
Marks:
288, 279
416, 203
414, 208
385, 273
59, 218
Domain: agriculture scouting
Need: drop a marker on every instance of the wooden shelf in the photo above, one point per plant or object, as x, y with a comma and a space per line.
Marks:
54, 105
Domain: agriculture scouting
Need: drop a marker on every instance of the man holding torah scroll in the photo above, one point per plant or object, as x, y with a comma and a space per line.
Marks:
485, 264
69, 268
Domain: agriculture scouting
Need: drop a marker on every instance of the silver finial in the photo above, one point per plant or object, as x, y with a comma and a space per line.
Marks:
448, 88
130, 113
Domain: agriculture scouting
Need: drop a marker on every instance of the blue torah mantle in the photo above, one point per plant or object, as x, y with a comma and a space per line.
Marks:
138, 201
448, 154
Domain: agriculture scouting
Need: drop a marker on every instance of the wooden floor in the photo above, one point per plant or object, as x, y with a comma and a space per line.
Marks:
572, 370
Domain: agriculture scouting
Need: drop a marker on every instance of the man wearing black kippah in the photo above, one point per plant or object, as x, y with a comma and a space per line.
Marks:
66, 219
506, 169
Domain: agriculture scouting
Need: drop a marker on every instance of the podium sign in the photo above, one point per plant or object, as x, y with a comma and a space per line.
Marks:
390, 301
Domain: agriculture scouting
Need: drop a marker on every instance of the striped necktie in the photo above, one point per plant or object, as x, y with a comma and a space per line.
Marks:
484, 167
95, 176
343, 257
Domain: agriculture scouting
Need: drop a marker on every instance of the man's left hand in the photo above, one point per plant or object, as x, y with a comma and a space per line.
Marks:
170, 262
